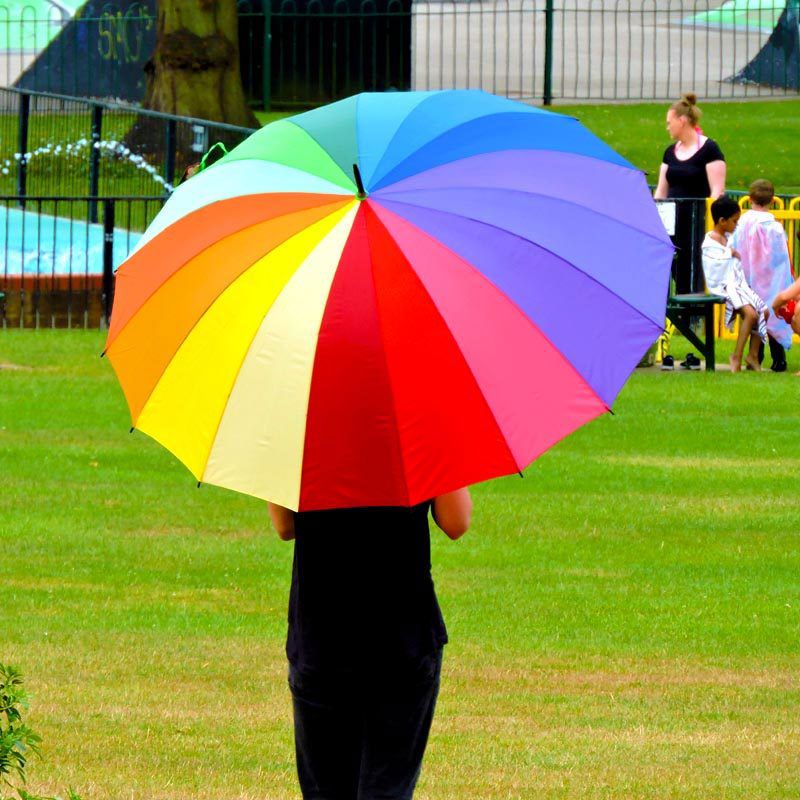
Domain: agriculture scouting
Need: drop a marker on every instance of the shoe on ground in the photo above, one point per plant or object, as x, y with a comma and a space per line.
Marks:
779, 367
691, 362
668, 363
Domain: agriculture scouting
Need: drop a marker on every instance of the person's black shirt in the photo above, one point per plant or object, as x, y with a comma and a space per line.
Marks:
689, 178
362, 591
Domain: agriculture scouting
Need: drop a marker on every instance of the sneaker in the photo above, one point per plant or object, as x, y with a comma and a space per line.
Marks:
692, 362
779, 367
668, 363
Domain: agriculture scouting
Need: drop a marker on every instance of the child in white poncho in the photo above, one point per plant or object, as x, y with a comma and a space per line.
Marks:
724, 276
761, 242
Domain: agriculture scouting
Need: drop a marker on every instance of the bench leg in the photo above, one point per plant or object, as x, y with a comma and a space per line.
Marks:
711, 362
682, 320
683, 323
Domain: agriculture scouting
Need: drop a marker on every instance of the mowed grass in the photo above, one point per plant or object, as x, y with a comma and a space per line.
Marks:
624, 620
757, 137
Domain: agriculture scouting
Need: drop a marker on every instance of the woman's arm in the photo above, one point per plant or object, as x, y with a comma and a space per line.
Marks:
716, 172
282, 521
663, 187
452, 512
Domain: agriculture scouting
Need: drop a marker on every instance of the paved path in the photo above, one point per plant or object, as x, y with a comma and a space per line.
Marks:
607, 50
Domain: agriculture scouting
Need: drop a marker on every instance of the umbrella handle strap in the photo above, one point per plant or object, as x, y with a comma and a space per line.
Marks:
210, 151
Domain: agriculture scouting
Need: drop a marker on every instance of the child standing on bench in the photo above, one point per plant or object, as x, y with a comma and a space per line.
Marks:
724, 276
761, 242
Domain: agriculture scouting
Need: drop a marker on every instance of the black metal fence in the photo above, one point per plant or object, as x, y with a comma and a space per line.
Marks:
578, 50
54, 145
57, 266
685, 221
313, 51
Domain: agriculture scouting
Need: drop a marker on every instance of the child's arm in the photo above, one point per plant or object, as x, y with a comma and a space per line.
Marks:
782, 298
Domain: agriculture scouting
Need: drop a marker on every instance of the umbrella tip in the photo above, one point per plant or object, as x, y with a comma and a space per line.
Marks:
520, 474
131, 430
103, 354
199, 483
359, 183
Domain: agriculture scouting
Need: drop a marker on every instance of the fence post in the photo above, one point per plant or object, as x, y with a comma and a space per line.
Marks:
22, 146
94, 160
172, 144
266, 55
108, 259
548, 53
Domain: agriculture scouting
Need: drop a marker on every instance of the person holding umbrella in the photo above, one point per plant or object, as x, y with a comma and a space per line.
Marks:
352, 314
364, 643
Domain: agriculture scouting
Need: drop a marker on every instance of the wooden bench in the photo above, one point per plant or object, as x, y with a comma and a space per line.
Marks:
680, 310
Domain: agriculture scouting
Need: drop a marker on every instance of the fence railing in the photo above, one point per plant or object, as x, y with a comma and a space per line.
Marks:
55, 145
307, 52
58, 266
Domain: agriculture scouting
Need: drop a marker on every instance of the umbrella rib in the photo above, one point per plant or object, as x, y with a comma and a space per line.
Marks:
386, 193
331, 188
396, 426
541, 247
458, 349
247, 353
496, 288
205, 311
379, 165
621, 162
319, 144
236, 232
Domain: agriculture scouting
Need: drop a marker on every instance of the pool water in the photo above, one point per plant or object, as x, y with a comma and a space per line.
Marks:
41, 244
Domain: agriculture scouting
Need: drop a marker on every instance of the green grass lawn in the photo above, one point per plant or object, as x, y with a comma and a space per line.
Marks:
624, 620
759, 139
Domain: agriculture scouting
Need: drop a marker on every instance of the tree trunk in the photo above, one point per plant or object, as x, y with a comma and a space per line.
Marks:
194, 70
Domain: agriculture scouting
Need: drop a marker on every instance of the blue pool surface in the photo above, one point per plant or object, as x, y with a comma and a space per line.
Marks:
40, 244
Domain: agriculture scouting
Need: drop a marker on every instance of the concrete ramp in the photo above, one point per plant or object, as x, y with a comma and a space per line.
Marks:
778, 62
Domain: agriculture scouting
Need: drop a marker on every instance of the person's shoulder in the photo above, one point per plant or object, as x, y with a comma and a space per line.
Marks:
669, 154
710, 243
712, 150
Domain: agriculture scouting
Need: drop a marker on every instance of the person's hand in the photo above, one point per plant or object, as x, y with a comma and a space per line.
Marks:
735, 253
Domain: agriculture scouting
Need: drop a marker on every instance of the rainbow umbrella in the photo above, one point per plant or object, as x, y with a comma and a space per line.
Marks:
388, 298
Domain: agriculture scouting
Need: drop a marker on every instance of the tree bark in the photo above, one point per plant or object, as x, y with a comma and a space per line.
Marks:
194, 70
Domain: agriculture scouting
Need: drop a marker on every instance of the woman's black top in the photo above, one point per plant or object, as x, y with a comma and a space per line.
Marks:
362, 591
689, 178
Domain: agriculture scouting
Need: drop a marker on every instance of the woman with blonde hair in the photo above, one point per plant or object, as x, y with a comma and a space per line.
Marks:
693, 167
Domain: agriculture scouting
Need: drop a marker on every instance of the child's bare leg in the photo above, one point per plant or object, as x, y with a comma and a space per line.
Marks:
747, 316
749, 322
752, 354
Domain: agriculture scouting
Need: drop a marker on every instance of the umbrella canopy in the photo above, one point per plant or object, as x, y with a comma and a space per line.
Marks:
389, 298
